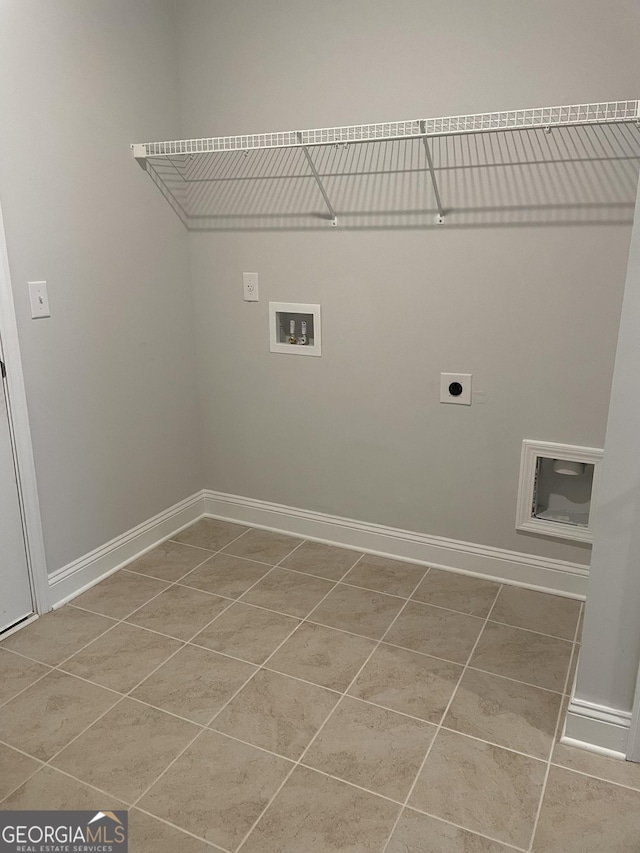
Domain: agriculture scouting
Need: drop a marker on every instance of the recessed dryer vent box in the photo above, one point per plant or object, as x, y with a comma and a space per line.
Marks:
295, 328
558, 484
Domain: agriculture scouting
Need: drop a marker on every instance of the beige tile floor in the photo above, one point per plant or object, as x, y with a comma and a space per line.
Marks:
240, 690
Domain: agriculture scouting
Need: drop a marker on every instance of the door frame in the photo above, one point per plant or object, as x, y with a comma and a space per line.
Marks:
21, 436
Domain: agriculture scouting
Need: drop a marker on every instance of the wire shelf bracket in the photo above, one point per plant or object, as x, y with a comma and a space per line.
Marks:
305, 149
432, 172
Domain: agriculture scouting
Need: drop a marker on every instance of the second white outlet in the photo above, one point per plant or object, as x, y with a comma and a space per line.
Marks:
250, 286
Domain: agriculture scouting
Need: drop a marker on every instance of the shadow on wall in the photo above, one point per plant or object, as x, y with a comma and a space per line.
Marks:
569, 176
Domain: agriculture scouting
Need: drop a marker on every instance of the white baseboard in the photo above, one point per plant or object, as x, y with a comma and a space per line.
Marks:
513, 567
597, 728
69, 581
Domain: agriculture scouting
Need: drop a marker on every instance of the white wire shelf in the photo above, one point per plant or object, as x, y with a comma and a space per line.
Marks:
196, 161
542, 117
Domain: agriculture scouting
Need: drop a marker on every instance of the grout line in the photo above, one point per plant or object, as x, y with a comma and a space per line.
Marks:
350, 784
169, 585
200, 726
531, 631
88, 784
86, 645
188, 545
341, 695
599, 778
492, 743
516, 680
121, 695
318, 577
378, 591
113, 620
15, 696
214, 847
555, 735
26, 657
85, 729
54, 668
183, 585
233, 601
181, 753
214, 550
69, 776
332, 712
464, 828
127, 695
183, 643
248, 743
446, 711
39, 762
263, 665
23, 782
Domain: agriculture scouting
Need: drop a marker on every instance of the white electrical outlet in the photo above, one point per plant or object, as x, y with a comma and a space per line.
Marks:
250, 286
39, 299
455, 388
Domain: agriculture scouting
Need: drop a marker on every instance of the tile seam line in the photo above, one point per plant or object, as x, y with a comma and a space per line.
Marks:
183, 644
439, 728
214, 847
599, 778
56, 667
490, 743
209, 726
179, 582
192, 642
128, 615
88, 643
20, 692
332, 712
189, 545
239, 599
169, 584
107, 794
84, 730
532, 631
126, 625
464, 828
374, 793
75, 779
220, 710
555, 735
126, 696
263, 665
24, 781
202, 726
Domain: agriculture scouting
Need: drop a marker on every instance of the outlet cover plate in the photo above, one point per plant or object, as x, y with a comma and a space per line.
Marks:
463, 399
250, 286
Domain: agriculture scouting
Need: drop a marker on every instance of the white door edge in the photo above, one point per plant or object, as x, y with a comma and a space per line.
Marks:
21, 435
633, 742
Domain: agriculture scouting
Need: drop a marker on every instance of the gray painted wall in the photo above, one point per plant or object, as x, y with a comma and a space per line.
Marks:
611, 637
531, 312
110, 377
